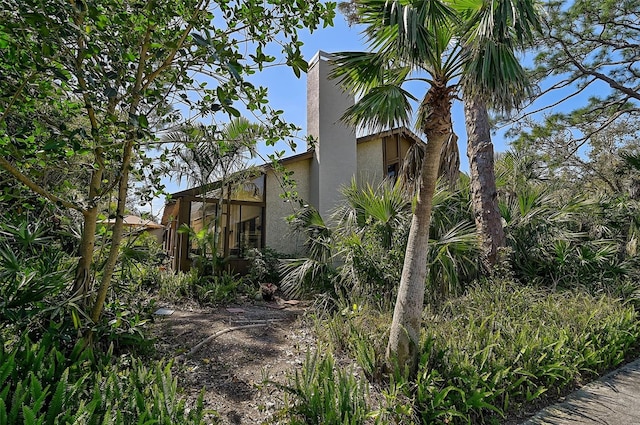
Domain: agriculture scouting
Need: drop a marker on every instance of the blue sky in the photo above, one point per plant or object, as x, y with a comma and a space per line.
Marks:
288, 93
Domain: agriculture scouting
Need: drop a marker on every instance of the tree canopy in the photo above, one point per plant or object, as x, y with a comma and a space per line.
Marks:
588, 48
97, 79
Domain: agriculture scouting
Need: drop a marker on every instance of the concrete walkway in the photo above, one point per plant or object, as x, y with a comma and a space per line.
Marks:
614, 399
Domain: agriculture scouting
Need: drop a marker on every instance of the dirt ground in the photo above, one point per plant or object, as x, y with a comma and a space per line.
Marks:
232, 367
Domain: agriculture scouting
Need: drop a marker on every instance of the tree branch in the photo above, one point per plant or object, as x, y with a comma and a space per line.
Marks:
16, 96
36, 187
612, 83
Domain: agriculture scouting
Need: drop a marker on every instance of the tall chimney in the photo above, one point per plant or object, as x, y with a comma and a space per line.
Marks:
335, 159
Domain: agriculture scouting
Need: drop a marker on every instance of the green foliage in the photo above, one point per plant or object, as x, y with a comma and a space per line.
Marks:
323, 393
91, 83
176, 286
215, 290
491, 352
372, 229
588, 48
208, 290
208, 260
316, 271
368, 246
34, 275
41, 385
562, 241
141, 260
265, 265
360, 332
503, 345
125, 325
453, 245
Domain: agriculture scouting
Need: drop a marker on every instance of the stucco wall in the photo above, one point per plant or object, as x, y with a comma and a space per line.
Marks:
336, 142
278, 234
370, 163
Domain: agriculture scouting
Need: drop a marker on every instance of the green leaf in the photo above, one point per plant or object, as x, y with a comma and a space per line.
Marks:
142, 121
28, 415
200, 40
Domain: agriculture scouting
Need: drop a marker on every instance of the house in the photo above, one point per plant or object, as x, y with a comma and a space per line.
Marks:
251, 214
136, 224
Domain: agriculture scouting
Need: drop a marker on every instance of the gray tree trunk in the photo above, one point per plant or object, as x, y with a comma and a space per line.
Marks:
483, 180
403, 348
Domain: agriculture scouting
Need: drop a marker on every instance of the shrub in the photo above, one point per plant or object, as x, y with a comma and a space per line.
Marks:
363, 254
265, 265
317, 271
567, 243
177, 286
212, 290
206, 290
34, 275
123, 326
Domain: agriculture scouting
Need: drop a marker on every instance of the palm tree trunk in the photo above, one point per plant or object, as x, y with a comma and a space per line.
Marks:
404, 338
483, 180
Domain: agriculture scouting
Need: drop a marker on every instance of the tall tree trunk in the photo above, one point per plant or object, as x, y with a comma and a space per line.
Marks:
483, 180
403, 348
118, 230
82, 281
123, 182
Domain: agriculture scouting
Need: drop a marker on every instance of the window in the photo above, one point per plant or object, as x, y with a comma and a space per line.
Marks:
236, 220
392, 157
394, 150
392, 171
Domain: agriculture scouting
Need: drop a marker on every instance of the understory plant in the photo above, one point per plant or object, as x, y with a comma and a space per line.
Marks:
503, 345
360, 258
490, 352
39, 384
35, 273
324, 393
206, 290
265, 265
558, 240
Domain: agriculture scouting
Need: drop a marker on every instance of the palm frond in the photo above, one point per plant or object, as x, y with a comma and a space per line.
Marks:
495, 30
494, 73
366, 207
411, 169
361, 72
418, 31
381, 108
450, 161
301, 275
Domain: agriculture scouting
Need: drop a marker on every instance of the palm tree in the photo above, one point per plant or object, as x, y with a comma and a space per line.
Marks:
213, 159
447, 45
484, 195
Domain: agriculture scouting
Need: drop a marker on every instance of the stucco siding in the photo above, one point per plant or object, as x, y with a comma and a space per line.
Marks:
370, 163
278, 234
